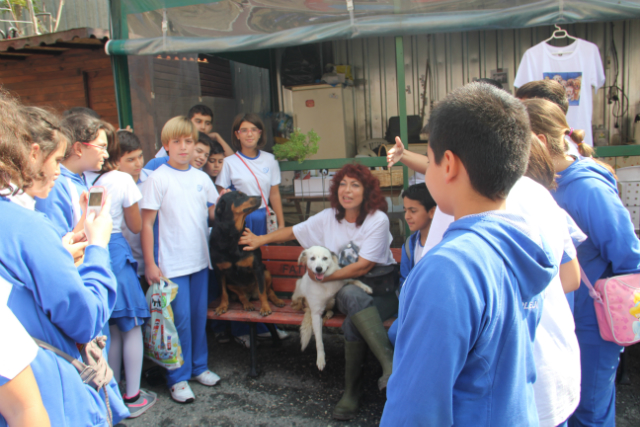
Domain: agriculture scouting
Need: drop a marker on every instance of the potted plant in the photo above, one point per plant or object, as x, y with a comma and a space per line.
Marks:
298, 147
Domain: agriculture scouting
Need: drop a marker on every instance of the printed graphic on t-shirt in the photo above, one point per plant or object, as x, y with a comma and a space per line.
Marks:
572, 83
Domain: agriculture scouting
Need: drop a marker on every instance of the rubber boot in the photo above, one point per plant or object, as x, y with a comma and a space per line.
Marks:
370, 327
347, 407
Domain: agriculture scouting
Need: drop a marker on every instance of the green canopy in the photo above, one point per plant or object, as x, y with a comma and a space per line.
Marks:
190, 26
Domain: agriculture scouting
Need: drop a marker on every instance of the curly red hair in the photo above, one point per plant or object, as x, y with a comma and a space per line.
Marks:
372, 198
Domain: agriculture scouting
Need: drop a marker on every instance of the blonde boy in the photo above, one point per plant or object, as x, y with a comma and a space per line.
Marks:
182, 198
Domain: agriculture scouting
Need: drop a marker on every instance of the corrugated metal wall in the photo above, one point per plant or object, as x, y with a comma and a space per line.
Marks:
457, 58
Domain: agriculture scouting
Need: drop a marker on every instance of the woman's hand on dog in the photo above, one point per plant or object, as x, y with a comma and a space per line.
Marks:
152, 273
249, 239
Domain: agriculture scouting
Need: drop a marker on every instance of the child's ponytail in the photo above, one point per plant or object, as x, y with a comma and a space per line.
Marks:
577, 136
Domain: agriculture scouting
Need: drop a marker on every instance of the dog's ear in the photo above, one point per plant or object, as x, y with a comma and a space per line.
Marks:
335, 259
221, 207
302, 259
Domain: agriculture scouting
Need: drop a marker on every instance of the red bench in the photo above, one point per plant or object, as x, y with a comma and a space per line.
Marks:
282, 263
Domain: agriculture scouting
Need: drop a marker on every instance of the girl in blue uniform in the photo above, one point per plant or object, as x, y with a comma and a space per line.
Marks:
588, 192
55, 301
131, 309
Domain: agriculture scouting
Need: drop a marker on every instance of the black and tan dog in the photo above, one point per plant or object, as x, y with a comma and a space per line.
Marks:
239, 271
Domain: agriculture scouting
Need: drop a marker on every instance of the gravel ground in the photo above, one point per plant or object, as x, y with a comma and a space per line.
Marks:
290, 390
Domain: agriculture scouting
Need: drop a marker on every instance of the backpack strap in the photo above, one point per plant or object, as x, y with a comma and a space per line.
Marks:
592, 291
75, 362
266, 204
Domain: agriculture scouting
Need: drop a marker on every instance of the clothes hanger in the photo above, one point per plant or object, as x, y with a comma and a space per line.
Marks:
558, 34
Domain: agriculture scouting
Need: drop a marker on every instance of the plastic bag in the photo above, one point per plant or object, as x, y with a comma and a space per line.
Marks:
161, 341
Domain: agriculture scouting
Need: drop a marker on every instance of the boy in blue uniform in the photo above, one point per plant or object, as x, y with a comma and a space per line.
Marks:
419, 208
468, 311
183, 198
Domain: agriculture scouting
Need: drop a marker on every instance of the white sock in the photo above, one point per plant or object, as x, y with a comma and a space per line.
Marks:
115, 352
132, 353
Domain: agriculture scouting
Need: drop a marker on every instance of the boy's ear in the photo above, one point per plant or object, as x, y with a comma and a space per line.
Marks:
451, 165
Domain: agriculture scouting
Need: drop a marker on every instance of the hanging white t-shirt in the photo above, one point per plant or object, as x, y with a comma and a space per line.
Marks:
182, 198
20, 348
556, 350
577, 71
123, 192
134, 239
264, 166
417, 178
373, 237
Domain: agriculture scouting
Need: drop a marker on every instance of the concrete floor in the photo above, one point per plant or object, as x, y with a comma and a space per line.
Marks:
291, 391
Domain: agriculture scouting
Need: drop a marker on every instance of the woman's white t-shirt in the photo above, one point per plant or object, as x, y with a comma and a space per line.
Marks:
264, 166
556, 351
123, 191
372, 237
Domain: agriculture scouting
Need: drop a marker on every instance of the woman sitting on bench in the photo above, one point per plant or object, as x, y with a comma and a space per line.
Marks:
357, 228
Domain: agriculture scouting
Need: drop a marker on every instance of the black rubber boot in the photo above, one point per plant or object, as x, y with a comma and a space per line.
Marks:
347, 407
370, 326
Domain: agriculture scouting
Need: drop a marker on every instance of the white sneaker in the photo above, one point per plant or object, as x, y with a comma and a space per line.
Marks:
281, 334
181, 392
207, 378
243, 340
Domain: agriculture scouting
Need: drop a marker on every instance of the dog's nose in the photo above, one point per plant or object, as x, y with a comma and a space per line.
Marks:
319, 269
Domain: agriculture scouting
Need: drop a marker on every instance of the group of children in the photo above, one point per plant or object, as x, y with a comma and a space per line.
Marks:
485, 333
516, 220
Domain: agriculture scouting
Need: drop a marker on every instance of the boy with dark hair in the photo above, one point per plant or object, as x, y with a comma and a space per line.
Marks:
215, 162
201, 151
131, 161
468, 312
419, 208
202, 118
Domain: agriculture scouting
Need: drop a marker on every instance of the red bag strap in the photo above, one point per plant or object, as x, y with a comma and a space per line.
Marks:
592, 291
266, 205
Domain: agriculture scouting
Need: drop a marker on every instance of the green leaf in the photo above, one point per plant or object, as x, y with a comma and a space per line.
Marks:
299, 146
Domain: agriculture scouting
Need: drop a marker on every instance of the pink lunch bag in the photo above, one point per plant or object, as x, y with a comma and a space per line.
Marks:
617, 303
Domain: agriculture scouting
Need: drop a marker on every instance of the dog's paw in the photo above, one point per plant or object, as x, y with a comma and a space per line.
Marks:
327, 315
321, 362
265, 311
221, 310
248, 307
367, 289
278, 303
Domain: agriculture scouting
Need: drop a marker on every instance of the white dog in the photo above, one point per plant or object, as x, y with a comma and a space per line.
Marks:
318, 296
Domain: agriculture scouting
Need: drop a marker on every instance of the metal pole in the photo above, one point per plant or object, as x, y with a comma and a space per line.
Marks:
120, 66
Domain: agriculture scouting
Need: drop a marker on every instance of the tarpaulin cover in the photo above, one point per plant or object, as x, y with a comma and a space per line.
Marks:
192, 26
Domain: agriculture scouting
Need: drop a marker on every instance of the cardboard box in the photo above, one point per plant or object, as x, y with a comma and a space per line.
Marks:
312, 186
